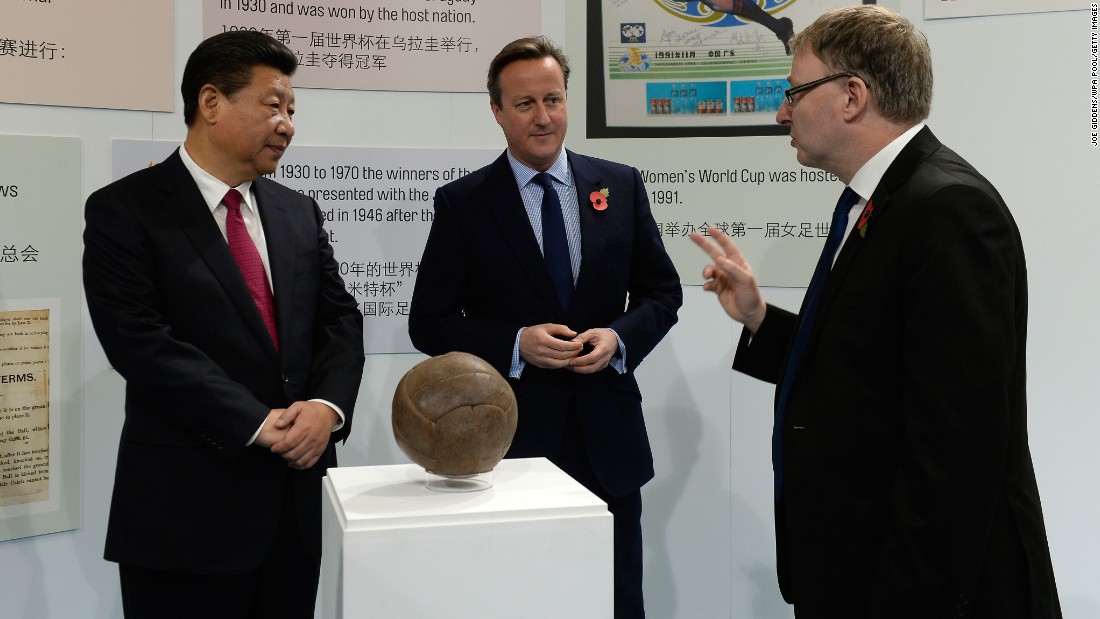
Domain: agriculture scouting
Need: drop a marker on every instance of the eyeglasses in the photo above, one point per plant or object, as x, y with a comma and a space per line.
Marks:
791, 92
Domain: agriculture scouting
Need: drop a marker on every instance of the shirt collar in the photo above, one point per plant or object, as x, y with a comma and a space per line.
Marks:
559, 171
867, 178
212, 189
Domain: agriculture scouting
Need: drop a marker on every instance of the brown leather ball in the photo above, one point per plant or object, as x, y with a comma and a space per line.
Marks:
454, 415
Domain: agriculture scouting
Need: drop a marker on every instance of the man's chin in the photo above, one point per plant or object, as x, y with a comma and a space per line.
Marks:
268, 167
547, 155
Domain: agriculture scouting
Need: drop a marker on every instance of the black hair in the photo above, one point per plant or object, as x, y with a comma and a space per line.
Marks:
226, 61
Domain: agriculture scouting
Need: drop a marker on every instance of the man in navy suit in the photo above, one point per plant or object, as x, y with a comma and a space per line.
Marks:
241, 374
905, 488
568, 343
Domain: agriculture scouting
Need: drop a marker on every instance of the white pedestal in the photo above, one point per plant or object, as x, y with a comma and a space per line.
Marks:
536, 545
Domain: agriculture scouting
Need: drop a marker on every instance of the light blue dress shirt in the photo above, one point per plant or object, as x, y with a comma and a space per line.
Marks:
531, 192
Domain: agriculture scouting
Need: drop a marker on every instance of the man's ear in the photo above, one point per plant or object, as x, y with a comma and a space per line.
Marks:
495, 110
859, 99
210, 100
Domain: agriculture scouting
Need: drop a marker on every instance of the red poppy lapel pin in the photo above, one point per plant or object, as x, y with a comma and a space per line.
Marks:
865, 217
599, 199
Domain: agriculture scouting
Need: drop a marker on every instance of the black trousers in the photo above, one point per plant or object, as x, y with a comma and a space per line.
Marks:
627, 514
283, 586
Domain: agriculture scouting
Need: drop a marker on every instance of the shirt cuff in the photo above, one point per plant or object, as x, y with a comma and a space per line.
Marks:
517, 364
339, 412
339, 424
618, 360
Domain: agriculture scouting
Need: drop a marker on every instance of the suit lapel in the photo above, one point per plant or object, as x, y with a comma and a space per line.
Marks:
593, 225
185, 204
503, 200
279, 235
920, 147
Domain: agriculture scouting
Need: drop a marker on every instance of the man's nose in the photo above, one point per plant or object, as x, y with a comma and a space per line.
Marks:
783, 116
286, 127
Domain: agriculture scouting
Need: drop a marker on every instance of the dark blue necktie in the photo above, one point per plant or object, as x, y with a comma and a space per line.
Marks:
555, 248
806, 324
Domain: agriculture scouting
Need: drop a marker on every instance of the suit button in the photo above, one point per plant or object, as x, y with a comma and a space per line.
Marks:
286, 378
960, 606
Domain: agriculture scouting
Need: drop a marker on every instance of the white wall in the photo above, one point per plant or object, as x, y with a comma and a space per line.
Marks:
1011, 96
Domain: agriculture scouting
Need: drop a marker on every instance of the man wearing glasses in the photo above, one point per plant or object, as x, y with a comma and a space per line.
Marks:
904, 483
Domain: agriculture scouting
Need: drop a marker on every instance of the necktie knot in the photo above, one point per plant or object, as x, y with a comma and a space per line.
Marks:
545, 180
232, 200
848, 198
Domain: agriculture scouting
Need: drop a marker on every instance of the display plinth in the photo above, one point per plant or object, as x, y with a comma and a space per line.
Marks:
536, 545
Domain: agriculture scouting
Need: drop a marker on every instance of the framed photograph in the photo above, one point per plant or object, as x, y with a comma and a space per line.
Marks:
670, 68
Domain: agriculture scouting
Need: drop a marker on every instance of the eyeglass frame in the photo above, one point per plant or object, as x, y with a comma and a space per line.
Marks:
789, 93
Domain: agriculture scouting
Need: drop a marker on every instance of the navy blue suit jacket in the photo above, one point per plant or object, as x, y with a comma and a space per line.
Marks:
176, 320
483, 277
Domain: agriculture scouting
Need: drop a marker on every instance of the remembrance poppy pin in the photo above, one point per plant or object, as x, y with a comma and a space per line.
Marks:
599, 199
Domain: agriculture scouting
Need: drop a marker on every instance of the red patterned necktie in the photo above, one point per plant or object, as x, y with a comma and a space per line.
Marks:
248, 260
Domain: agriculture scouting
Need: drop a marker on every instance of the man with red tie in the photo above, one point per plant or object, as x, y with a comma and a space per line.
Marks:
215, 295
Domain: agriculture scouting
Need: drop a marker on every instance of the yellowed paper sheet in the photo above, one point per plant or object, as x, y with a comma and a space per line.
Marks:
24, 406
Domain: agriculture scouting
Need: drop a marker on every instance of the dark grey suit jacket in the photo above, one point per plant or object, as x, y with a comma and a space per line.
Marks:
909, 489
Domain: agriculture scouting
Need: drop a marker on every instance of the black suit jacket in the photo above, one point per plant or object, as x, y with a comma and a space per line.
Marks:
176, 320
909, 489
483, 277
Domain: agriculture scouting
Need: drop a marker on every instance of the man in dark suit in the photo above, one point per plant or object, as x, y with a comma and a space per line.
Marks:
568, 329
241, 349
904, 482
